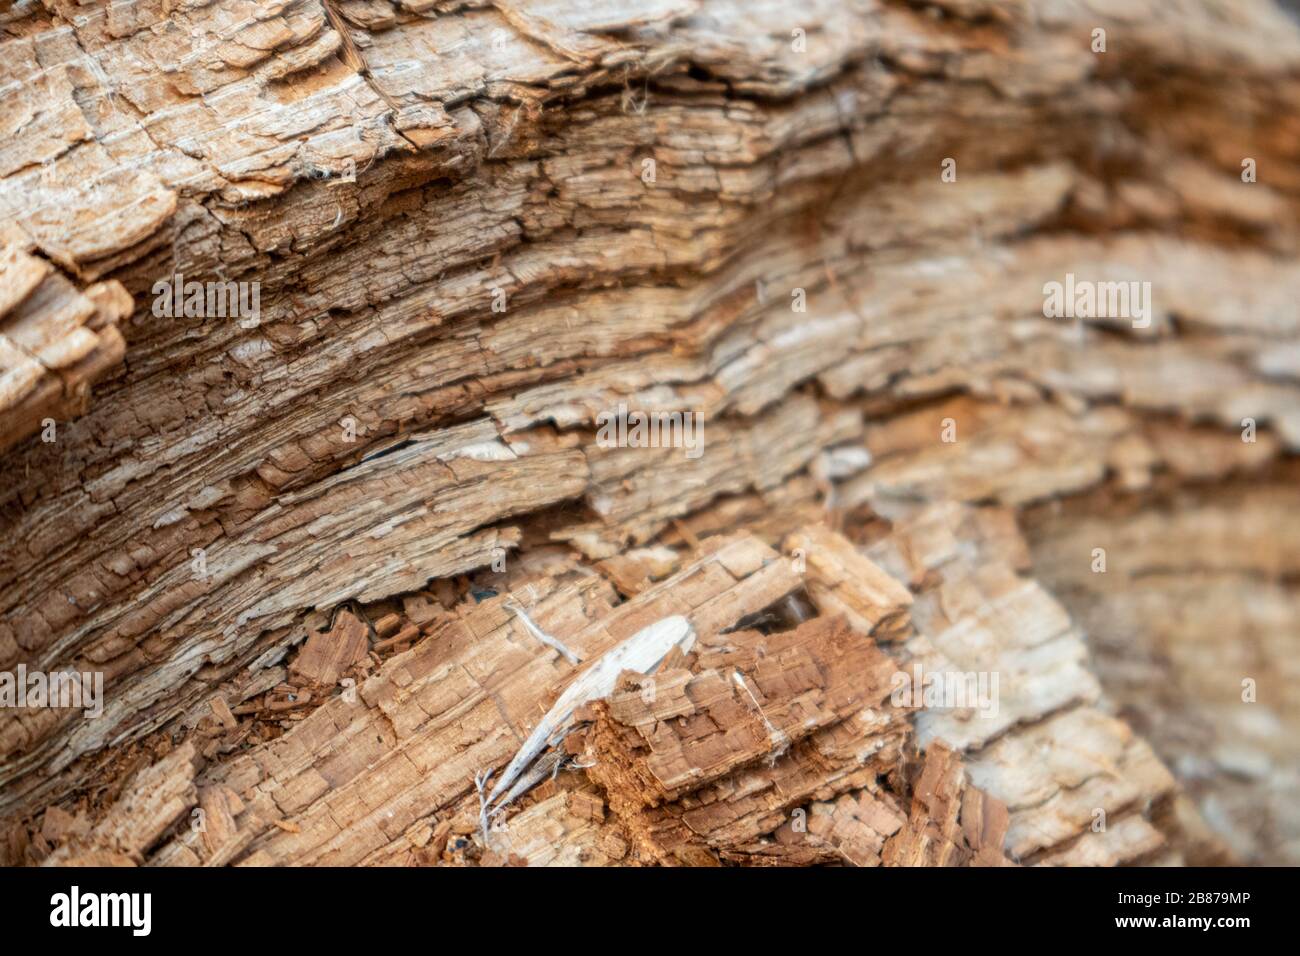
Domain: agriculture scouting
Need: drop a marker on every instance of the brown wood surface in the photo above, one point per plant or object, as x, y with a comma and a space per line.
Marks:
310, 554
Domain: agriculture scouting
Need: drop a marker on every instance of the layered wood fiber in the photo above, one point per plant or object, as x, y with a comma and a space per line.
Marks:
291, 542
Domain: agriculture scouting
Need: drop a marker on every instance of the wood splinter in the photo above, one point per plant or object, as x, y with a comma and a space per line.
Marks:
641, 653
541, 635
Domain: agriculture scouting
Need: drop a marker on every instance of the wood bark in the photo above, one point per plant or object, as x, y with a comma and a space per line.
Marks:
337, 558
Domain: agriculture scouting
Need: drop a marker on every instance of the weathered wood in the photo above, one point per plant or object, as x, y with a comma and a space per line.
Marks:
287, 539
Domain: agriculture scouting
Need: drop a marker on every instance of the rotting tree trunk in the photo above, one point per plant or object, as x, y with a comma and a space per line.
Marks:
311, 550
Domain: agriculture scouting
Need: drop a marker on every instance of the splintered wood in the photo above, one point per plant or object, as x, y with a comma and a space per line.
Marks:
759, 725
772, 745
55, 341
313, 318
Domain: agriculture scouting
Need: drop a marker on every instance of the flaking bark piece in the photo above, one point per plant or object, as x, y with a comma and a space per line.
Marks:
328, 654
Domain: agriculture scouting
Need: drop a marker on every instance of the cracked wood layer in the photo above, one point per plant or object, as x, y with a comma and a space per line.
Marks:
392, 173
357, 780
773, 746
705, 761
56, 340
975, 614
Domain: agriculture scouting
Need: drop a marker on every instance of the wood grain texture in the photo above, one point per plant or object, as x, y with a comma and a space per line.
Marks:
475, 228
